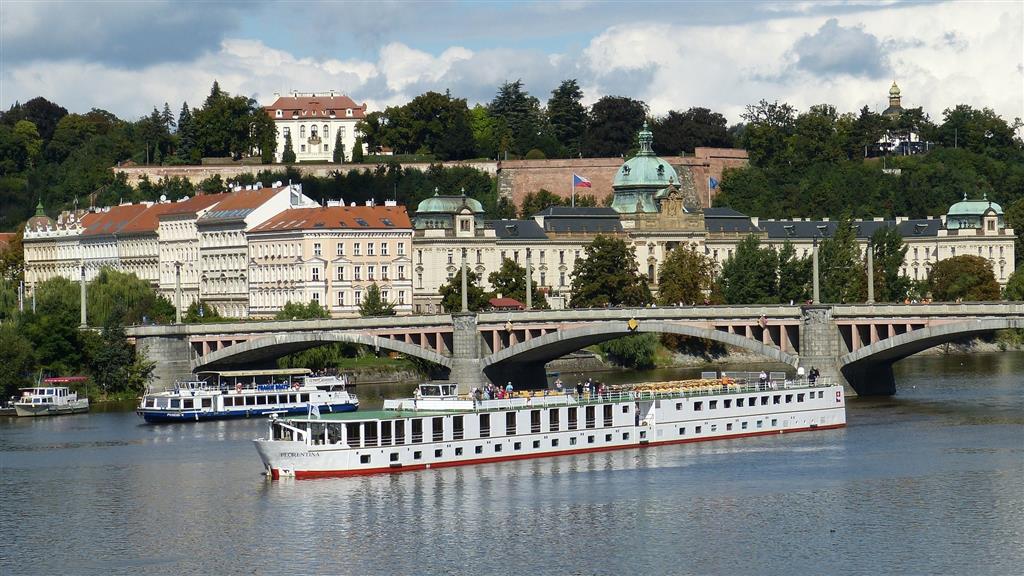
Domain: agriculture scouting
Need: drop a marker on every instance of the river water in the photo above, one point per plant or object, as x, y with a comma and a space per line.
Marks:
930, 481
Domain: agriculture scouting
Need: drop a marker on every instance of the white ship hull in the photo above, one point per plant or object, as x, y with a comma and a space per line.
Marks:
72, 407
543, 429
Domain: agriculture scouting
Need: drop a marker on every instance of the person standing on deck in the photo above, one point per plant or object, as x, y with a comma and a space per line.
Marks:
508, 389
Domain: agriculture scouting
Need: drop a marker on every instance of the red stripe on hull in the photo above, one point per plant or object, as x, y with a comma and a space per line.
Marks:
304, 474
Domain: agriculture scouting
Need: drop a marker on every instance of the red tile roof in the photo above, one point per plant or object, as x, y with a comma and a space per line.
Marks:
113, 220
315, 107
6, 238
334, 217
506, 303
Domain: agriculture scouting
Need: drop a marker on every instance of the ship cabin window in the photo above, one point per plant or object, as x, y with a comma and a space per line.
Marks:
188, 403
821, 393
777, 399
150, 402
517, 446
485, 425
364, 458
261, 399
682, 430
535, 421
739, 402
590, 439
625, 409
497, 447
698, 406
726, 403
437, 427
479, 450
536, 444
764, 400
743, 425
385, 433
417, 455
607, 437
799, 397
572, 441
334, 433
728, 426
352, 434
714, 427
438, 453
553, 423
697, 430
625, 435
554, 442
760, 424
607, 415
679, 406
713, 404
510, 423
458, 451
175, 403
229, 401
591, 418
789, 398
573, 423
369, 433
775, 422
458, 430
417, 430
394, 456
304, 398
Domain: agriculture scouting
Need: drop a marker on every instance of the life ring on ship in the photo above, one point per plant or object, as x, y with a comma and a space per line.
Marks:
238, 388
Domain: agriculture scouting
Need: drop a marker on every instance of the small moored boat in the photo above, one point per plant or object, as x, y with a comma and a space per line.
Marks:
51, 399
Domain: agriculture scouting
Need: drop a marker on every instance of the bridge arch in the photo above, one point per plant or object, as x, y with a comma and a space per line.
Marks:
277, 345
899, 347
561, 342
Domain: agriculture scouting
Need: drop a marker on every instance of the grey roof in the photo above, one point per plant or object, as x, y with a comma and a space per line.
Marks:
724, 212
517, 229
577, 212
742, 225
781, 229
583, 225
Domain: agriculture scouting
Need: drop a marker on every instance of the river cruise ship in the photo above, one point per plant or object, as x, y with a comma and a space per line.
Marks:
247, 394
440, 428
50, 398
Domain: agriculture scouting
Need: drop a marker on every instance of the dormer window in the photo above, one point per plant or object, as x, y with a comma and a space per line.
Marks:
331, 113
348, 112
278, 114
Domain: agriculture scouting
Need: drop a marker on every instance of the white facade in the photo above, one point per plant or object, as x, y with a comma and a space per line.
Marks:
314, 121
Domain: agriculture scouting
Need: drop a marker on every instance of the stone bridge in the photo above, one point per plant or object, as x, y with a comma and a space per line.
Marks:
854, 343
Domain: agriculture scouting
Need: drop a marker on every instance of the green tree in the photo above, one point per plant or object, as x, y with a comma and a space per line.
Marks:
1015, 286
186, 136
686, 276
538, 201
52, 327
510, 282
28, 136
1015, 219
17, 359
200, 312
963, 277
795, 275
288, 155
357, 151
117, 297
608, 276
767, 131
612, 126
520, 113
842, 274
679, 132
113, 364
451, 293
374, 305
39, 111
339, 148
12, 259
299, 311
568, 117
633, 351
889, 254
750, 275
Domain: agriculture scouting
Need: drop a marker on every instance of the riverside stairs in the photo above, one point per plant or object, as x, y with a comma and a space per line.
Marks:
856, 344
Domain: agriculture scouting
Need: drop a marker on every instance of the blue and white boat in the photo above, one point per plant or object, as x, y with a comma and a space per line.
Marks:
248, 394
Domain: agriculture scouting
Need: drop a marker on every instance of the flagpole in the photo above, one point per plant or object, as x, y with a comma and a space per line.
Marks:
572, 202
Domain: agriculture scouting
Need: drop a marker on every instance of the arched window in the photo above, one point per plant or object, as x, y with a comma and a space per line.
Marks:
327, 132
312, 131
302, 131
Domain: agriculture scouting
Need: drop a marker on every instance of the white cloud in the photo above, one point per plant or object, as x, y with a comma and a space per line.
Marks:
670, 66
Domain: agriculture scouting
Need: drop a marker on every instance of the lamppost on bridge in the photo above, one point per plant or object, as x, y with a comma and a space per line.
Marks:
465, 284
529, 283
177, 292
82, 296
816, 295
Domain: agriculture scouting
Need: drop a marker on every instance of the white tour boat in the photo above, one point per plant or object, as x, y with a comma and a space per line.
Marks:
441, 428
51, 399
246, 394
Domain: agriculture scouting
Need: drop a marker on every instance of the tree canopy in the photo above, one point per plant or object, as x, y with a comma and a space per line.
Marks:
451, 293
374, 305
686, 276
608, 276
299, 311
510, 282
963, 277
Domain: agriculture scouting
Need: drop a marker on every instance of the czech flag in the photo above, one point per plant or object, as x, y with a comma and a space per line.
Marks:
579, 181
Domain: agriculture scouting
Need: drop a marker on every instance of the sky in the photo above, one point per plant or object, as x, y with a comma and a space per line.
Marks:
127, 57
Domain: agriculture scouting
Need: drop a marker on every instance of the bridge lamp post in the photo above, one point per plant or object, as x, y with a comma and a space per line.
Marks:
82, 295
871, 273
529, 284
177, 292
816, 297
465, 284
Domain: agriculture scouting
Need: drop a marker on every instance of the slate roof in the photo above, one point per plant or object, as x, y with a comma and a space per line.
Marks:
315, 107
334, 217
777, 229
582, 225
517, 229
570, 212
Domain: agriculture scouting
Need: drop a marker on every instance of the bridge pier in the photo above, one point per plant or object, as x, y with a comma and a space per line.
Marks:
821, 347
171, 355
467, 369
871, 380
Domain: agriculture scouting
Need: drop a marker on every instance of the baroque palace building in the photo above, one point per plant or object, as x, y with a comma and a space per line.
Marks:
314, 120
249, 251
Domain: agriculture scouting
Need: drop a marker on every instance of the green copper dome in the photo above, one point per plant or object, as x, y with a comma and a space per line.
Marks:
967, 207
448, 204
645, 170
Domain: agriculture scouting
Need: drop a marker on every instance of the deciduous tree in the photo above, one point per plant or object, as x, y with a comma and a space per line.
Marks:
451, 293
964, 277
843, 279
612, 126
750, 275
686, 276
608, 276
510, 282
679, 132
299, 311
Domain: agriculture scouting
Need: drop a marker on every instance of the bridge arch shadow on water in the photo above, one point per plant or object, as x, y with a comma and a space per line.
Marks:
525, 361
872, 364
269, 348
